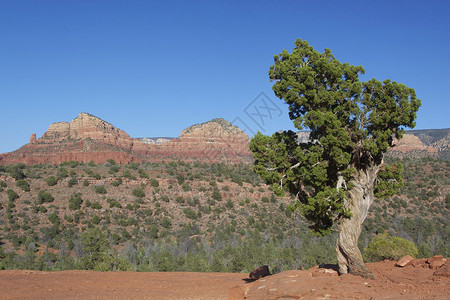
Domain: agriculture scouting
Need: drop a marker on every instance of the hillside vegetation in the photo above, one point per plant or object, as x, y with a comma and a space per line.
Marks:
180, 216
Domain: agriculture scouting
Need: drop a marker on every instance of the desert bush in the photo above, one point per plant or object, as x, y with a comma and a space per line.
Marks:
53, 218
44, 196
72, 182
190, 213
138, 192
385, 246
75, 202
100, 189
117, 182
127, 174
114, 169
12, 195
23, 184
185, 186
16, 171
142, 173
96, 205
51, 181
216, 195
154, 182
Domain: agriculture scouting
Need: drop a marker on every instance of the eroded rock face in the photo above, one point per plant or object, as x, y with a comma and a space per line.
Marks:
411, 142
88, 138
215, 141
33, 138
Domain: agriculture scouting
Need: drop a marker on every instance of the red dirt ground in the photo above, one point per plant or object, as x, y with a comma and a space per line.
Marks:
317, 283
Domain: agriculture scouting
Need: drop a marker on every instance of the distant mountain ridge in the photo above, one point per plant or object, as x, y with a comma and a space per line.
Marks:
89, 138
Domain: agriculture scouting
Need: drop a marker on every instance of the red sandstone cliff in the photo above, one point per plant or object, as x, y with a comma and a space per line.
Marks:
89, 138
215, 141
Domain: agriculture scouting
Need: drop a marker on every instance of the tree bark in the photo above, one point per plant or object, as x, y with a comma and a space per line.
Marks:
360, 198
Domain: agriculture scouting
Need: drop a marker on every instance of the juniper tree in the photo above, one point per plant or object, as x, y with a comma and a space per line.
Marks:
336, 175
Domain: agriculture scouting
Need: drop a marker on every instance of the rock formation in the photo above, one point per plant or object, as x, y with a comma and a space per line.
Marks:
88, 138
33, 138
215, 141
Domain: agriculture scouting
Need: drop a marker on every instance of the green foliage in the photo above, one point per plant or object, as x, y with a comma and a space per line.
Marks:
111, 162
154, 182
185, 186
216, 195
95, 244
127, 174
53, 218
138, 192
142, 173
100, 189
51, 180
96, 205
189, 213
44, 196
3, 184
75, 202
16, 171
23, 184
117, 182
352, 125
12, 195
384, 246
114, 169
72, 182
390, 180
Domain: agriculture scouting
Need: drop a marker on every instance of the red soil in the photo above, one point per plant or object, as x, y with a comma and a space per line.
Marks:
317, 283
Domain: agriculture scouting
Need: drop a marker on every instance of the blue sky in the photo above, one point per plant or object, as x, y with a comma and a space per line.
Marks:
153, 68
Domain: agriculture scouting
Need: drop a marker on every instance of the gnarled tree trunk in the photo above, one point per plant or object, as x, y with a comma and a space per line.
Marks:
360, 198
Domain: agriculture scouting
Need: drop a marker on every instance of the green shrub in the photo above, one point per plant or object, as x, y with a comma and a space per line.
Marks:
154, 182
53, 218
185, 186
190, 213
75, 202
114, 169
142, 173
138, 192
216, 195
44, 196
72, 182
23, 184
100, 189
51, 181
117, 182
384, 246
12, 195
95, 220
96, 205
3, 185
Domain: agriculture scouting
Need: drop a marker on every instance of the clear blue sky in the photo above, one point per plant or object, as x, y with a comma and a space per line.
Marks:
153, 68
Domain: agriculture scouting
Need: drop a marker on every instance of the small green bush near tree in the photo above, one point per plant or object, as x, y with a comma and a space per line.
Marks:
384, 246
